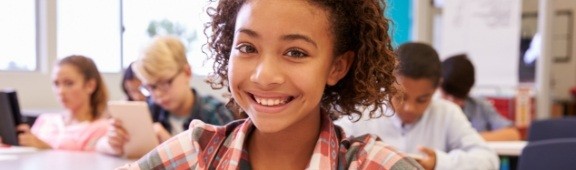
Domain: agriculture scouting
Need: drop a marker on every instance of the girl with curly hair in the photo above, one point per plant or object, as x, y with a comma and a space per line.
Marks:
292, 66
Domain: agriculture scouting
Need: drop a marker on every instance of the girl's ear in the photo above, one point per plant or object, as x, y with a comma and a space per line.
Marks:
340, 67
90, 86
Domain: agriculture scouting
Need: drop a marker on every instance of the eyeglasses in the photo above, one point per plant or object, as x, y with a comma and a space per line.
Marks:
163, 85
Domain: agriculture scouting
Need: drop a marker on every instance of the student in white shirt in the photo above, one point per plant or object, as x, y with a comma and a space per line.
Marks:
435, 129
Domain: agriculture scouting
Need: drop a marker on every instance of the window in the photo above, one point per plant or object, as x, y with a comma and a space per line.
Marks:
90, 28
93, 28
184, 18
18, 42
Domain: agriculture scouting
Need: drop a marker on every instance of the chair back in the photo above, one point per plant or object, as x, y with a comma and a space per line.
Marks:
557, 154
552, 129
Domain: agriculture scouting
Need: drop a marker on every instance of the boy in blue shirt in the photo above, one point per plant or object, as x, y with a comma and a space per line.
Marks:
457, 81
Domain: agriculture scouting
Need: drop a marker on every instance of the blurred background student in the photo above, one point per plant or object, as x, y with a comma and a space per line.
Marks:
79, 88
131, 85
165, 75
457, 81
418, 124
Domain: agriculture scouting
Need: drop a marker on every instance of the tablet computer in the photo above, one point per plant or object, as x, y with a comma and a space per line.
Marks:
9, 116
137, 121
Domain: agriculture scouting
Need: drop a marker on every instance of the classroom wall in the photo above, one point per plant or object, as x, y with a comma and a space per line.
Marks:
563, 74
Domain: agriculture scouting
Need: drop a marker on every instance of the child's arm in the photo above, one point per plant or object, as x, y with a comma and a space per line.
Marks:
504, 134
466, 148
503, 129
26, 138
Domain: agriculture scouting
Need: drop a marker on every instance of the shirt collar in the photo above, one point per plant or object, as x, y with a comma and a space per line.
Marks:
325, 155
405, 128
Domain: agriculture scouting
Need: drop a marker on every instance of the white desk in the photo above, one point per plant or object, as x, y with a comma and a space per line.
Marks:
57, 160
508, 148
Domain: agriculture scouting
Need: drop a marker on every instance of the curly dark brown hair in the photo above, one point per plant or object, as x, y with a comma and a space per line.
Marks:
358, 26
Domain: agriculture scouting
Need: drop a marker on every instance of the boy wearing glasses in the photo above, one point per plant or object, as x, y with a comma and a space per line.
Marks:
165, 75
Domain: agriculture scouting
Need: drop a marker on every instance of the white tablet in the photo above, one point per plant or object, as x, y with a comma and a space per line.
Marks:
137, 121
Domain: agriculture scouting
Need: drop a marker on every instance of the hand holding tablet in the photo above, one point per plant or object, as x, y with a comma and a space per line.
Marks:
136, 121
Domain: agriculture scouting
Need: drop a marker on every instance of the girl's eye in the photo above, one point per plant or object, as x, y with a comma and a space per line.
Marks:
296, 53
245, 48
421, 101
68, 83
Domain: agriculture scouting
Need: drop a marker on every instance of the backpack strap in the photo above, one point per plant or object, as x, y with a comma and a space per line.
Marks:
349, 149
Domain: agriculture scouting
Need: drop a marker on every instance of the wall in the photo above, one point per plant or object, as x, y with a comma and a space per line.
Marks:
400, 12
563, 73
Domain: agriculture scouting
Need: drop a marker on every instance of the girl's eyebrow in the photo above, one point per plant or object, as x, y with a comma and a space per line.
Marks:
293, 37
249, 32
289, 37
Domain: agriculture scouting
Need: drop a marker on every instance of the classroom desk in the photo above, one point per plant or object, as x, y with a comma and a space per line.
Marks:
508, 148
61, 160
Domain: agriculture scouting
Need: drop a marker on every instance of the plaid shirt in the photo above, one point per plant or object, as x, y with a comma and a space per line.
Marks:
206, 146
205, 108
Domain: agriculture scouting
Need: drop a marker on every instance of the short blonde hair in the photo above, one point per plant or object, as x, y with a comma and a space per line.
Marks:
164, 56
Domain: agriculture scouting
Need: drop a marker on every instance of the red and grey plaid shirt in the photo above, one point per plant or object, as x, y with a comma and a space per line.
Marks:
206, 146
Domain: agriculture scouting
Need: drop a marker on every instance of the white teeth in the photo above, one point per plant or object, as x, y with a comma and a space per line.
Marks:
270, 102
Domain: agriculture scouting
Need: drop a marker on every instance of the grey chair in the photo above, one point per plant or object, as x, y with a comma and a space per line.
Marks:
552, 129
556, 154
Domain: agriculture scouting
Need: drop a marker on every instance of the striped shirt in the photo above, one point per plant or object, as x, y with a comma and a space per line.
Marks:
206, 146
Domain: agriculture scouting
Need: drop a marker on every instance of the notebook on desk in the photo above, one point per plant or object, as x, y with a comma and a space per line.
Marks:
10, 116
137, 121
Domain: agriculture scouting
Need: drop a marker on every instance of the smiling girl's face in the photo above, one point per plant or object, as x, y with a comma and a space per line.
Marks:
281, 61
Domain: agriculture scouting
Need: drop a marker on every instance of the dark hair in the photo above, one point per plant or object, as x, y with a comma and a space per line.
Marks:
358, 26
417, 61
127, 76
457, 76
87, 68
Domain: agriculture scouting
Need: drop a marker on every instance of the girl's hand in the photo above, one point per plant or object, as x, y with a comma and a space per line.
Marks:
26, 138
117, 136
2, 144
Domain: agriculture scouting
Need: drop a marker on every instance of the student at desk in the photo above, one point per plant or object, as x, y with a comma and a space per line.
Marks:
131, 85
419, 124
80, 89
457, 81
165, 74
